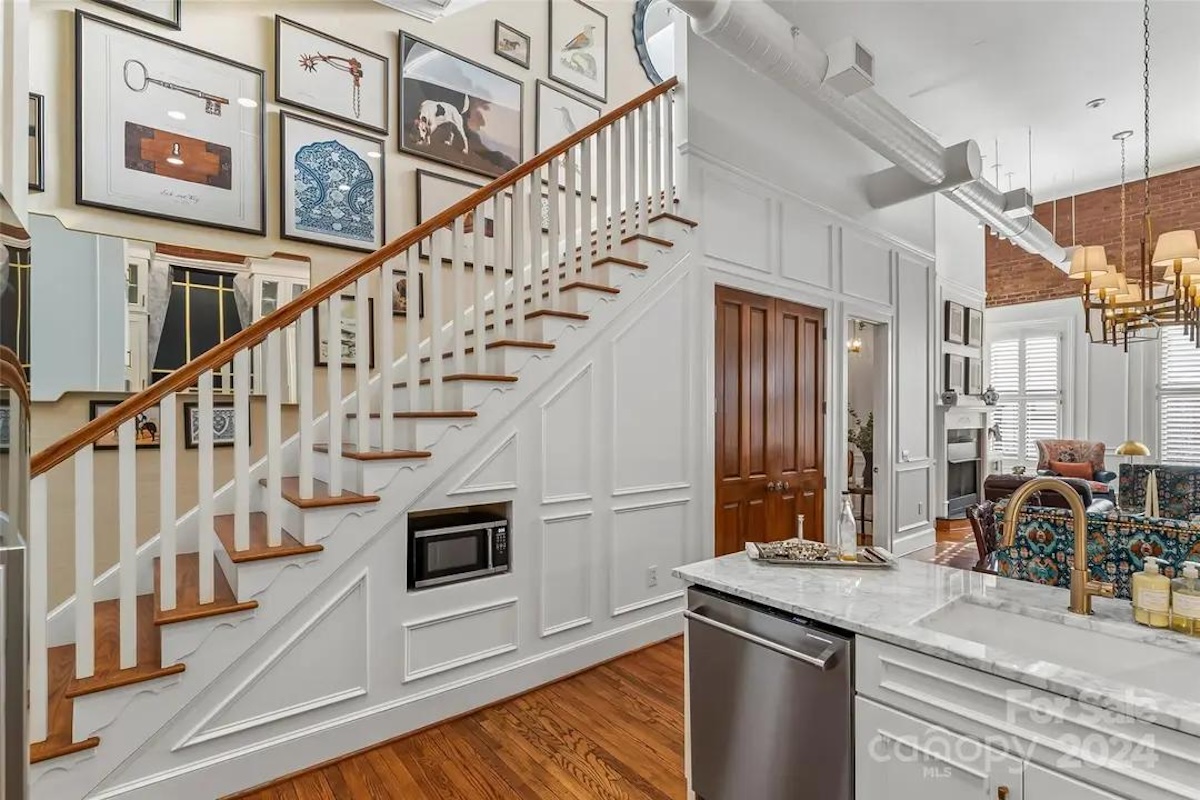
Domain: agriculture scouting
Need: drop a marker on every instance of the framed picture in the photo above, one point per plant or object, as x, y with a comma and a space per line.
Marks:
436, 193
954, 322
5, 426
955, 373
224, 424
579, 47
974, 327
165, 130
164, 12
147, 425
400, 294
974, 376
329, 76
448, 102
349, 333
557, 116
37, 143
331, 185
510, 43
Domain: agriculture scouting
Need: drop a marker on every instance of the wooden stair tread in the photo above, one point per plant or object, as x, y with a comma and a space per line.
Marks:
527, 344
60, 710
424, 415
551, 312
259, 549
108, 673
648, 238
595, 287
464, 376
351, 451
624, 262
187, 593
674, 218
290, 488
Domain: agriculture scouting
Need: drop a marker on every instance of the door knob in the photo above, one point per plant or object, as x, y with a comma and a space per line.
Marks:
772, 486
783, 487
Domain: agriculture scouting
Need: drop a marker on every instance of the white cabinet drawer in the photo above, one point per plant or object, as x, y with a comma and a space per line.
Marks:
1042, 784
1130, 757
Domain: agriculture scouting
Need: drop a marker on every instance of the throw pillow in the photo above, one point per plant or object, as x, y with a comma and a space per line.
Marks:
1070, 469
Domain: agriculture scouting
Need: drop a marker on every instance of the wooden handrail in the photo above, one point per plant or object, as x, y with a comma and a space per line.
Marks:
188, 374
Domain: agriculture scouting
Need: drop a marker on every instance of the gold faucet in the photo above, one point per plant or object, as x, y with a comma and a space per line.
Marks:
1083, 588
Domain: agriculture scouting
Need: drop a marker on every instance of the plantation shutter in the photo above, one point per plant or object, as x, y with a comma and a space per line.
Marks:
1179, 399
1026, 371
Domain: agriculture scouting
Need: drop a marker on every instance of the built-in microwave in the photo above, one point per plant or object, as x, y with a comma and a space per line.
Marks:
459, 546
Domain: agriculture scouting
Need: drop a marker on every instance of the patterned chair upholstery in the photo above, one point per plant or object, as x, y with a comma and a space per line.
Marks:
1178, 490
1117, 544
1077, 451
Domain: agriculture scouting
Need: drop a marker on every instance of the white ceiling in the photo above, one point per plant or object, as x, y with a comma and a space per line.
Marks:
993, 69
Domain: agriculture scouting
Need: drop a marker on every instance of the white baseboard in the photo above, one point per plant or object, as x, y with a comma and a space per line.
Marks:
911, 542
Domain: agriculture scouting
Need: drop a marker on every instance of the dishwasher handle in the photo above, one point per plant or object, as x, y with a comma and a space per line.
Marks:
825, 661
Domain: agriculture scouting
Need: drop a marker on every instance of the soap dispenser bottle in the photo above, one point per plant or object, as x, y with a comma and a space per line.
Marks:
1185, 600
1151, 596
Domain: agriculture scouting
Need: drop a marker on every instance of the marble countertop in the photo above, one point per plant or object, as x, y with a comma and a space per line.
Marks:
887, 604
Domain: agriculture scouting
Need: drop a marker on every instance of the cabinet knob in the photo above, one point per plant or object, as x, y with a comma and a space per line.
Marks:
1002, 793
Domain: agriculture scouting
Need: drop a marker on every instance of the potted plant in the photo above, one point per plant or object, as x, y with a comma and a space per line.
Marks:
862, 436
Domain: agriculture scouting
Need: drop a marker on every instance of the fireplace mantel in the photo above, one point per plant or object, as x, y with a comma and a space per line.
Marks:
961, 465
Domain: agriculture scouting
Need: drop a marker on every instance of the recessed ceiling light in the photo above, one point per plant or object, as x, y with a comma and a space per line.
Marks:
246, 102
177, 115
1122, 135
374, 154
1094, 104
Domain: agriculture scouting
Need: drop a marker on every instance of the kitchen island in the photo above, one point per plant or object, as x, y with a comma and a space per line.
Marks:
968, 685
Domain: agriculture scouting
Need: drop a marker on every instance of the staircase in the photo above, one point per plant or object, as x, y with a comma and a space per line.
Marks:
140, 627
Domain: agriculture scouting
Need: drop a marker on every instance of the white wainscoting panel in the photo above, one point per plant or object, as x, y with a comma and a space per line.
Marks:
735, 218
566, 580
644, 536
807, 249
912, 498
448, 641
652, 396
567, 434
866, 268
497, 471
914, 383
331, 650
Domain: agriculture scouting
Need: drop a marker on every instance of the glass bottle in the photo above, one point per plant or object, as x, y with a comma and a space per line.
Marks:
847, 534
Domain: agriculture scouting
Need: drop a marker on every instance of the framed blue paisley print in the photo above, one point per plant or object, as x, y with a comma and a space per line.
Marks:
331, 185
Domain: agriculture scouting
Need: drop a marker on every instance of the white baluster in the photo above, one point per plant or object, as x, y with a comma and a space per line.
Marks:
434, 309
585, 215
535, 240
412, 329
457, 285
629, 154
603, 247
500, 277
643, 219
241, 447
362, 363
274, 362
671, 193
553, 261
387, 360
38, 580
520, 208
85, 625
305, 371
127, 541
658, 109
479, 274
333, 387
571, 248
167, 522
205, 532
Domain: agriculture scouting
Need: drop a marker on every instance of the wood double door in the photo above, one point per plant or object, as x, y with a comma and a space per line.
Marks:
770, 454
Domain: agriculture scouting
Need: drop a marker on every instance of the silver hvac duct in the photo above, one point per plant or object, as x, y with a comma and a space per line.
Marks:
762, 39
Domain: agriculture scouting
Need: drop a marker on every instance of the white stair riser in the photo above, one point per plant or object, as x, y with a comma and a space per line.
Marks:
498, 361
364, 477
410, 434
583, 301
181, 639
311, 525
94, 712
466, 395
253, 577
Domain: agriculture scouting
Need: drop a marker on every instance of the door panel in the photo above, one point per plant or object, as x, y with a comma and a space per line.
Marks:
800, 419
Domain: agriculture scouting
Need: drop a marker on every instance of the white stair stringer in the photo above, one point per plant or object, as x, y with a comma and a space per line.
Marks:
133, 760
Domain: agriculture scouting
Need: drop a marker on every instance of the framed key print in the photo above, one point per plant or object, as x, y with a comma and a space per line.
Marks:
329, 76
163, 12
579, 47
165, 130
331, 185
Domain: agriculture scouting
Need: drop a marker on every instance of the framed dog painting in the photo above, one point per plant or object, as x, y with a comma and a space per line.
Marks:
458, 112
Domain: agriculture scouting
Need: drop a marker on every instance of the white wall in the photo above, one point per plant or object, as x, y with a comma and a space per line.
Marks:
14, 106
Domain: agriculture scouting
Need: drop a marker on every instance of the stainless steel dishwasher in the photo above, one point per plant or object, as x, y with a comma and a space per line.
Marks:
772, 698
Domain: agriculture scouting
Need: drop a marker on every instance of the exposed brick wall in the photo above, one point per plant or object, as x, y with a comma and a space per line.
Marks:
1014, 276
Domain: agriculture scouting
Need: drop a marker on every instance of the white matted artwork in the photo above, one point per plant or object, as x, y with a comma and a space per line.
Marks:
558, 115
436, 193
579, 47
164, 12
224, 425
165, 130
331, 184
349, 334
319, 73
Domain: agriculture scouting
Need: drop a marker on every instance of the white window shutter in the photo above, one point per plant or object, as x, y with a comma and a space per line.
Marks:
1179, 399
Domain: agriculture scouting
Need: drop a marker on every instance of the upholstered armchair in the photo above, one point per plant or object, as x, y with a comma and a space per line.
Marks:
1076, 458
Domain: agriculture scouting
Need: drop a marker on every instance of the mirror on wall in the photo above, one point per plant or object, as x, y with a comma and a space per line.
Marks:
110, 314
654, 37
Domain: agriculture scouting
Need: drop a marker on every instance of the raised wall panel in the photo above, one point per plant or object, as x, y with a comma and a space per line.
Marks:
736, 222
866, 268
437, 644
807, 247
566, 585
496, 471
567, 428
914, 386
652, 397
912, 498
644, 536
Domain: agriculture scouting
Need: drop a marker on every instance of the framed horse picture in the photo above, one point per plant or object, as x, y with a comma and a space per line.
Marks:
146, 426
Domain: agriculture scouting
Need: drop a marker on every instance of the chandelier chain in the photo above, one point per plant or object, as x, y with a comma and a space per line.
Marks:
1123, 221
1146, 102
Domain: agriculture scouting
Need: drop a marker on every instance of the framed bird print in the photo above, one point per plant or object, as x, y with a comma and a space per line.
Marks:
558, 116
579, 47
319, 73
512, 44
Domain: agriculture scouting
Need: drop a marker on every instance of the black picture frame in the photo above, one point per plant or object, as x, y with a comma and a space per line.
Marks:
371, 338
387, 76
974, 376
423, 251
174, 24
955, 323
496, 44
974, 327
37, 131
190, 443
956, 373
538, 144
81, 17
97, 408
398, 275
550, 71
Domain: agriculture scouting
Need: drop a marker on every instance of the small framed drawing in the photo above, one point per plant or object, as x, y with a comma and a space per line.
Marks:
37, 143
331, 185
579, 47
5, 426
165, 130
954, 323
164, 12
146, 426
558, 115
955, 373
400, 294
974, 376
436, 193
512, 44
350, 334
224, 424
329, 76
974, 327
458, 112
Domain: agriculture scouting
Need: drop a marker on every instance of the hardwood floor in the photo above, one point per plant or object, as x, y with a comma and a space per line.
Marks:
955, 548
615, 731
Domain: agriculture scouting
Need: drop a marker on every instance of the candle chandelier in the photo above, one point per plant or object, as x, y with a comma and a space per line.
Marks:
1124, 305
